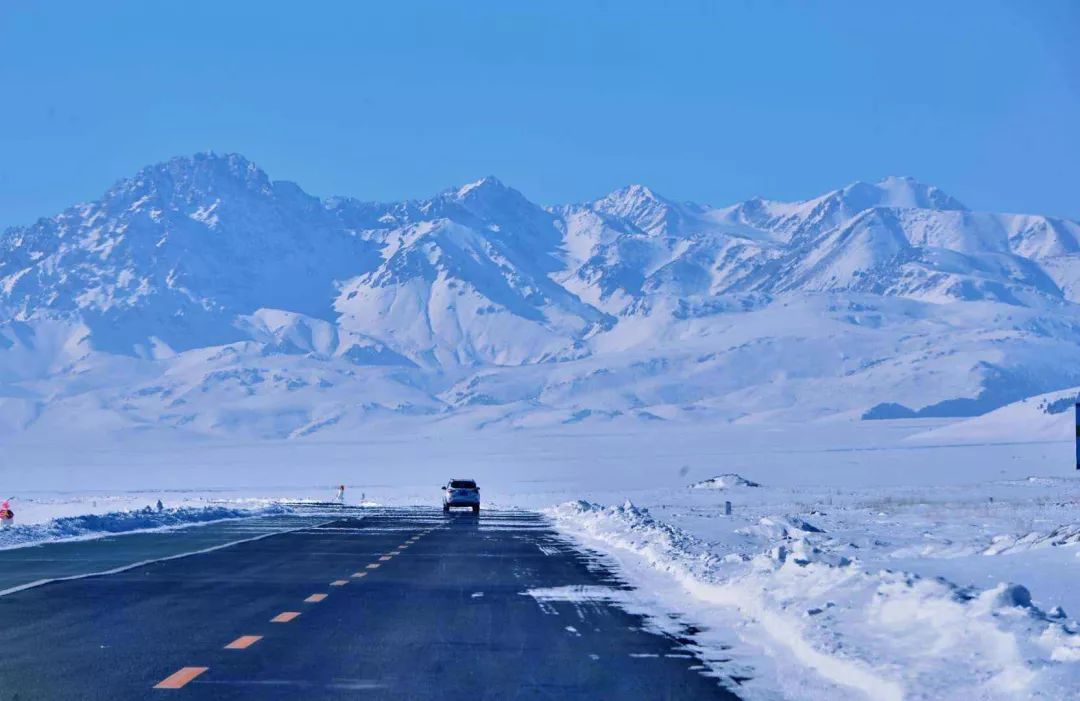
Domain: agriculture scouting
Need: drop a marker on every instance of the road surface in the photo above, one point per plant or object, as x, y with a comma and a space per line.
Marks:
362, 604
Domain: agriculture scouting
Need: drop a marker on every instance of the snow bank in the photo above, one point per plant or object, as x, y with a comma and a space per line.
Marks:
883, 635
98, 525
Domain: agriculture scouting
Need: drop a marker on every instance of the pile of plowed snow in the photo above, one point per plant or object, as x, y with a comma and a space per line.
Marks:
97, 525
863, 633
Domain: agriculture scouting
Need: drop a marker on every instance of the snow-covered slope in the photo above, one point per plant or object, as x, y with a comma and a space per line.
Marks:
171, 256
469, 284
200, 295
1045, 417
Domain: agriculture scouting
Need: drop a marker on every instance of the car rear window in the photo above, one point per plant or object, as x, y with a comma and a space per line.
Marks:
462, 484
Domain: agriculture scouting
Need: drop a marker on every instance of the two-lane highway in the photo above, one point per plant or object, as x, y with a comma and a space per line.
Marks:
390, 604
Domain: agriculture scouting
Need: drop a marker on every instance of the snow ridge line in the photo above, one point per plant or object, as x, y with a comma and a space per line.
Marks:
124, 568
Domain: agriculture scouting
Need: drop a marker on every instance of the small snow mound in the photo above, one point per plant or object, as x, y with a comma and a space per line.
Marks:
578, 506
780, 528
724, 481
1045, 481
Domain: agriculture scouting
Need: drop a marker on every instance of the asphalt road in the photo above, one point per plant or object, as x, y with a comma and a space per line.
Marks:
393, 604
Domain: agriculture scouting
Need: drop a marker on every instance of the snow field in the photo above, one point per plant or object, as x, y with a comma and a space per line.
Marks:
810, 600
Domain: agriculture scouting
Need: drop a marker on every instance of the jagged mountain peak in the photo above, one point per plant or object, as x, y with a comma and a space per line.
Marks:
629, 199
497, 211
902, 192
199, 174
486, 198
794, 221
635, 191
645, 209
486, 185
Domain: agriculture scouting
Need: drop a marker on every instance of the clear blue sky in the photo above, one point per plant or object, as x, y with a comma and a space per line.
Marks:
709, 101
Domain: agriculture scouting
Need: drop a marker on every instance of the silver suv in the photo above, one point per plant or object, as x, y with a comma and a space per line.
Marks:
461, 493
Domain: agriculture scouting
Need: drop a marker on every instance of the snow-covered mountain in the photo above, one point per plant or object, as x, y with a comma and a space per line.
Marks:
200, 295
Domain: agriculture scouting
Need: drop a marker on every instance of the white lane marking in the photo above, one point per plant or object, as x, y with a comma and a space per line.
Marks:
232, 520
125, 568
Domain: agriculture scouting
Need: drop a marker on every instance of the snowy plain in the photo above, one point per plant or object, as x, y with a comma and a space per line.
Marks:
871, 562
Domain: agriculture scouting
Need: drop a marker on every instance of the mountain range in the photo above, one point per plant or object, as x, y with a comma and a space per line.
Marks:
200, 296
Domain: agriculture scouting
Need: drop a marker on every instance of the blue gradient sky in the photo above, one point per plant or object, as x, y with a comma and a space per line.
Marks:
709, 101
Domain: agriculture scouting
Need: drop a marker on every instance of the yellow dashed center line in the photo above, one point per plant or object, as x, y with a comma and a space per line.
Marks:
178, 679
243, 642
284, 616
184, 675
